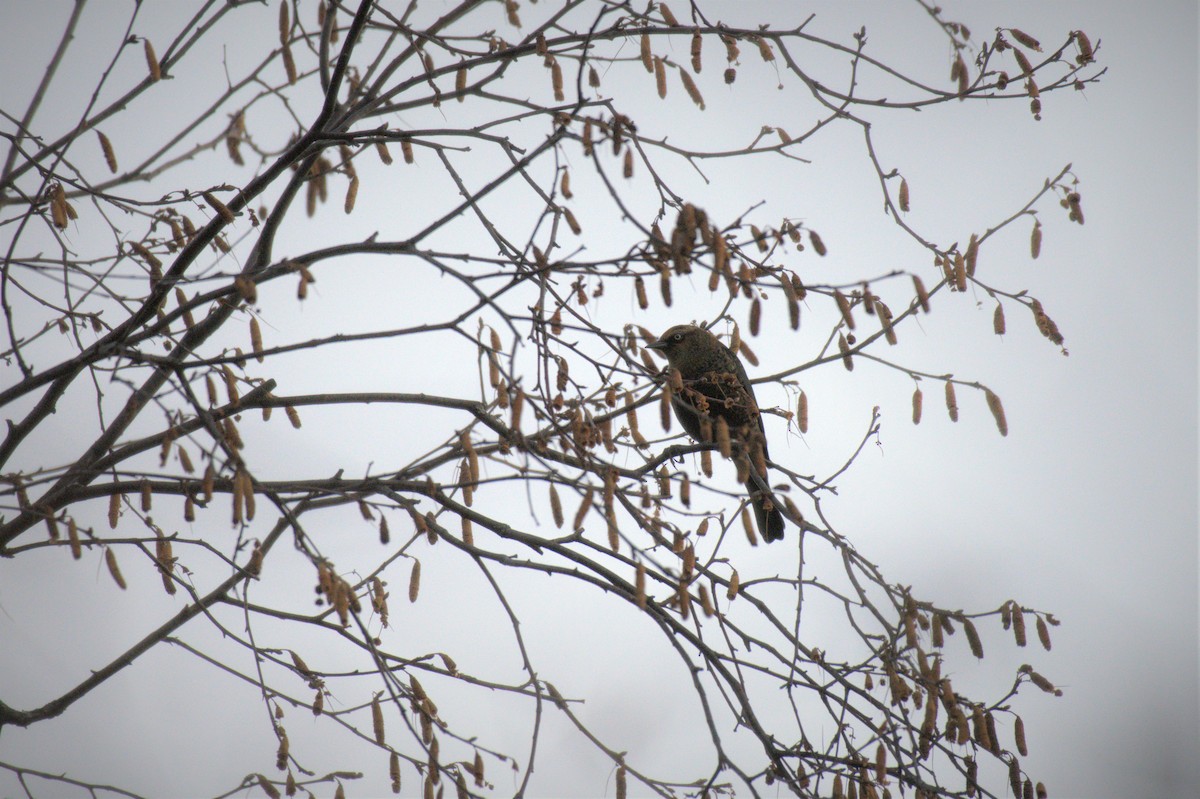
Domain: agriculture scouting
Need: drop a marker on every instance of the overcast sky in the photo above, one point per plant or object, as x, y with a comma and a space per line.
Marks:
1087, 509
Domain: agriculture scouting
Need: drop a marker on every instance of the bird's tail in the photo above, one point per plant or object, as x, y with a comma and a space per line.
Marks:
770, 520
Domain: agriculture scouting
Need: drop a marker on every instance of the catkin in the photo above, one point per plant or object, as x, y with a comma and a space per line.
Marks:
693, 91
1025, 39
110, 559
152, 62
997, 413
951, 402
110, 156
414, 581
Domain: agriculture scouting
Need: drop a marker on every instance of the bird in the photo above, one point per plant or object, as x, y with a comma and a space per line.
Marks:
715, 387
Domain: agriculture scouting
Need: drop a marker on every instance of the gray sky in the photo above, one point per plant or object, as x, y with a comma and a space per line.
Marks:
1088, 508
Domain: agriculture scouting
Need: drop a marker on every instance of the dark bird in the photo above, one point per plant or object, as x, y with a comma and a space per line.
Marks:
716, 393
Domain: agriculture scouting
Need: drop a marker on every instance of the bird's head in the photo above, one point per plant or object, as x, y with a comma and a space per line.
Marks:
688, 348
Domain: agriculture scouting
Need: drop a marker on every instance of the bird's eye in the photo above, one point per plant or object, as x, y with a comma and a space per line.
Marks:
677, 337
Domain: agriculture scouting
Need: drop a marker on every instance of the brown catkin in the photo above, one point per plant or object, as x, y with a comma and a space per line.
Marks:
697, 44
377, 720
972, 637
998, 326
917, 401
844, 348
110, 559
843, 305
904, 195
556, 81
152, 62
1025, 39
1019, 734
114, 510
218, 206
997, 412
556, 507
1043, 632
110, 156
647, 57
692, 90
1035, 240
660, 77
802, 412
76, 545
951, 402
414, 581
748, 527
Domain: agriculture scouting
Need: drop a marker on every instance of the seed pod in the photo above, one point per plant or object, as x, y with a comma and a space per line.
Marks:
904, 195
1019, 734
110, 157
916, 412
110, 559
951, 402
997, 413
152, 62
802, 412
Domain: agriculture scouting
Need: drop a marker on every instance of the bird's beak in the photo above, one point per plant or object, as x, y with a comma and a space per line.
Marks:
658, 345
